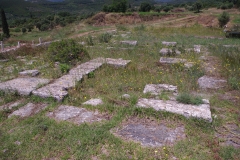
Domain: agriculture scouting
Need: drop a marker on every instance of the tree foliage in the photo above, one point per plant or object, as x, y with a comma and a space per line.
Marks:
198, 6
4, 24
145, 7
116, 6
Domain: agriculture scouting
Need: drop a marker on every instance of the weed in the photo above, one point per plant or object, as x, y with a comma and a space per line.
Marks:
188, 99
121, 28
105, 38
89, 40
234, 83
91, 75
67, 51
64, 67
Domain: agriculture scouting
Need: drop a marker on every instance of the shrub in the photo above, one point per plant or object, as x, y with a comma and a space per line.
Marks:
90, 41
188, 99
64, 67
17, 30
24, 30
67, 51
223, 19
105, 37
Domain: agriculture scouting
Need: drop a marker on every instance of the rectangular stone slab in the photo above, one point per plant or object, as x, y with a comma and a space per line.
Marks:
24, 86
28, 110
202, 111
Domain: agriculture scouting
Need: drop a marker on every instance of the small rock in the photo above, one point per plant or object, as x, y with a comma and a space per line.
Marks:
206, 82
197, 48
189, 64
93, 102
165, 60
156, 89
125, 96
117, 62
205, 101
166, 51
133, 43
17, 143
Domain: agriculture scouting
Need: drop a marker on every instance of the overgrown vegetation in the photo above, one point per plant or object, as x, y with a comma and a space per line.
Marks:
67, 51
186, 98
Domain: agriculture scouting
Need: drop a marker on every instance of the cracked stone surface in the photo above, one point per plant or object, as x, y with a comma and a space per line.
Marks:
10, 105
169, 43
189, 64
28, 110
133, 43
206, 82
150, 134
165, 60
156, 89
24, 86
32, 73
201, 111
117, 62
165, 51
75, 115
94, 102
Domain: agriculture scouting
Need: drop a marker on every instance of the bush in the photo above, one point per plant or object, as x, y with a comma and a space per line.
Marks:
223, 19
188, 99
105, 38
64, 67
90, 41
17, 30
67, 51
24, 30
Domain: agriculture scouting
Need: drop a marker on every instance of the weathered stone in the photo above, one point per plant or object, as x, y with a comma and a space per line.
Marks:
151, 135
4, 60
133, 43
156, 89
166, 51
55, 91
169, 43
117, 62
201, 111
28, 110
24, 86
189, 64
165, 60
125, 96
93, 102
74, 114
32, 73
197, 48
11, 105
206, 82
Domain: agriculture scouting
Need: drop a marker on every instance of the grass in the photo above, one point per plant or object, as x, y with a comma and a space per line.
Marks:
41, 137
188, 99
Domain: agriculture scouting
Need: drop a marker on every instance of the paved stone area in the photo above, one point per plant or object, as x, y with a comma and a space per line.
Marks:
32, 73
166, 60
28, 110
24, 86
75, 115
169, 43
156, 89
93, 102
151, 134
206, 82
133, 43
201, 111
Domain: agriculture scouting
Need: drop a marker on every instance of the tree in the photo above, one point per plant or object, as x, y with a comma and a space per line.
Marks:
4, 24
223, 19
24, 30
197, 6
145, 7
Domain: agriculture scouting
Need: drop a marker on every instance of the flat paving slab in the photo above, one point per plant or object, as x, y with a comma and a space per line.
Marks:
169, 43
156, 89
206, 82
166, 51
150, 133
24, 86
32, 73
75, 115
166, 60
11, 105
93, 102
117, 62
28, 110
201, 111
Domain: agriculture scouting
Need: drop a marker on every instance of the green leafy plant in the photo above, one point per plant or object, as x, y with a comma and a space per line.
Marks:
90, 41
105, 38
67, 51
64, 67
234, 83
91, 75
188, 99
223, 19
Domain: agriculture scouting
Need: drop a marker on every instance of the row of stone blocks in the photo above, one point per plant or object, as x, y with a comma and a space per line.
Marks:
58, 88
